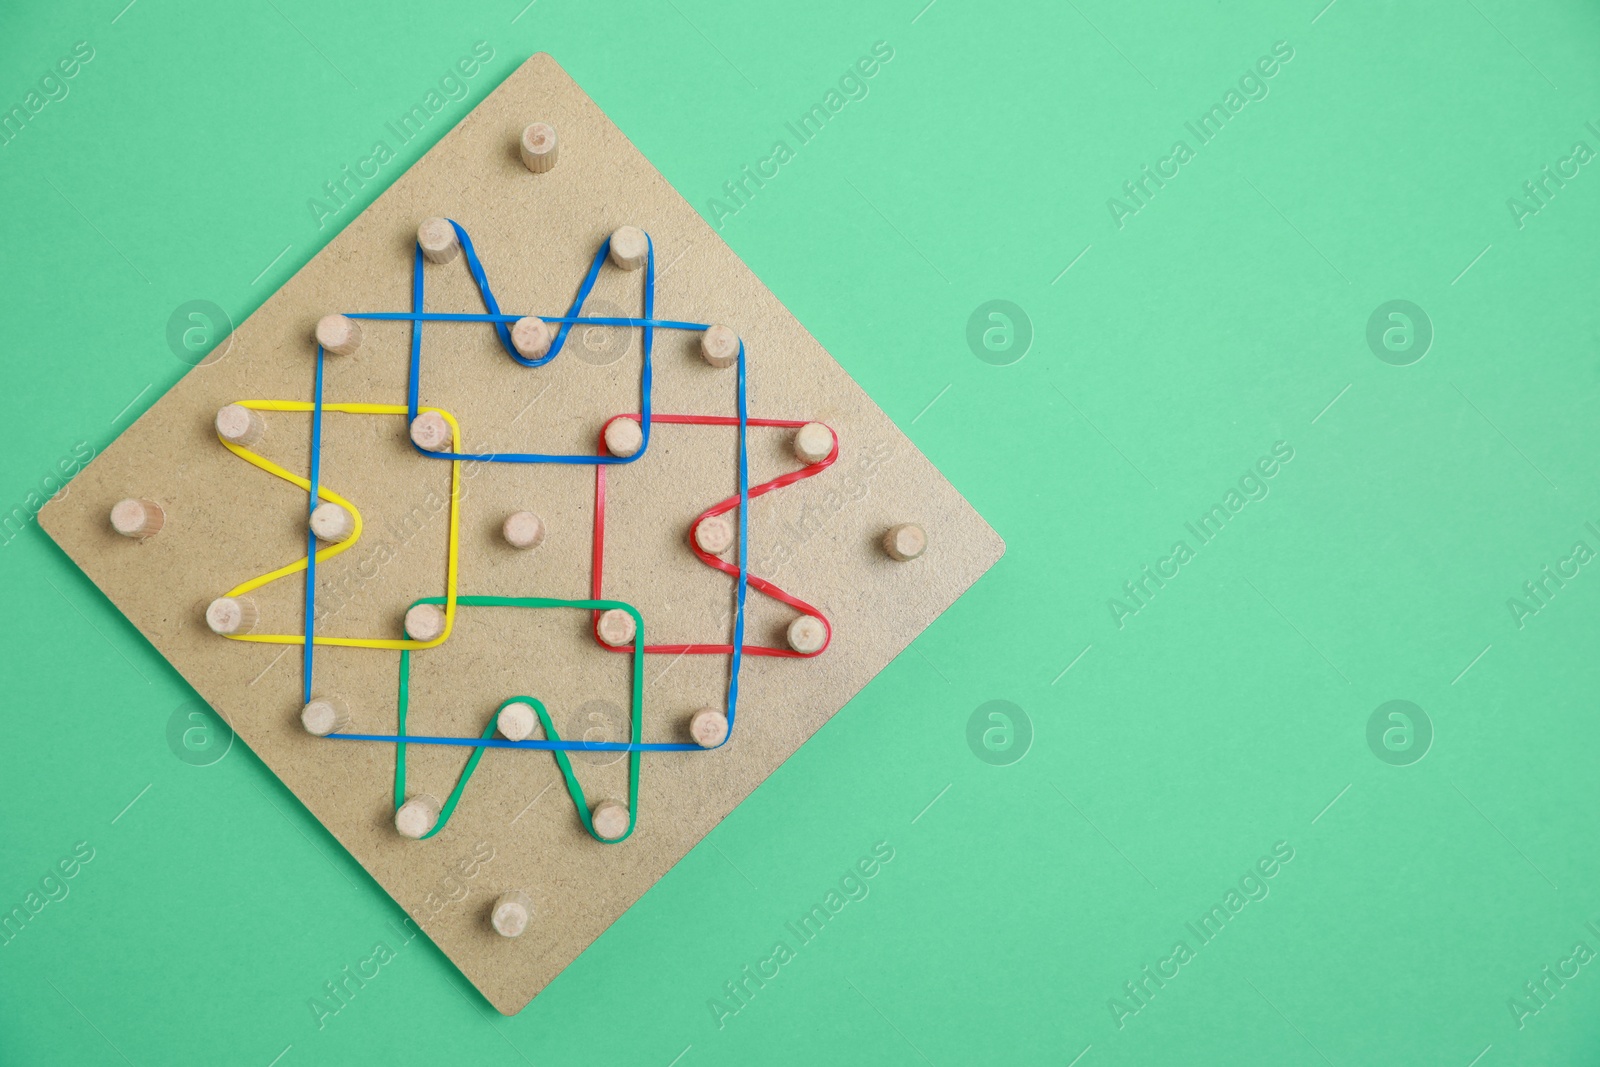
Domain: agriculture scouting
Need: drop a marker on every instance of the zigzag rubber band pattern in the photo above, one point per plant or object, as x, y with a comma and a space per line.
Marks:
553, 743
308, 563
761, 585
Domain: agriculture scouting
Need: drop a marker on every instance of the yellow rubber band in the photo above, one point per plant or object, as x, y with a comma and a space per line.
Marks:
333, 550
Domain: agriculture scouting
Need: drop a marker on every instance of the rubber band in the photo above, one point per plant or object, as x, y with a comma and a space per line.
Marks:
647, 323
761, 585
314, 491
552, 743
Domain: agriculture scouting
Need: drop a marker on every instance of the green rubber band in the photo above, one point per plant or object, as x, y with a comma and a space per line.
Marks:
574, 788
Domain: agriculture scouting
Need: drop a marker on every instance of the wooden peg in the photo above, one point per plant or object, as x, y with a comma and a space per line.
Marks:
719, 346
137, 518
609, 819
338, 334
516, 721
417, 816
813, 442
325, 715
511, 913
531, 337
332, 522
430, 432
905, 542
624, 437
523, 529
616, 627
807, 634
231, 615
239, 425
425, 622
714, 534
539, 146
708, 727
438, 240
629, 247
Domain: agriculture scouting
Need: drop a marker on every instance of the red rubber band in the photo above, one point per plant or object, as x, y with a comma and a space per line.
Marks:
760, 585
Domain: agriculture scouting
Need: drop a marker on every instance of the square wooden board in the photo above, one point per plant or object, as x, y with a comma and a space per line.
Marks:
227, 521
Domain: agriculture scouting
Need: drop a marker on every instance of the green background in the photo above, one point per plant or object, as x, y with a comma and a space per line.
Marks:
1229, 714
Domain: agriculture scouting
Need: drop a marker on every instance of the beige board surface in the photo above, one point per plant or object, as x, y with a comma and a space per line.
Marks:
227, 521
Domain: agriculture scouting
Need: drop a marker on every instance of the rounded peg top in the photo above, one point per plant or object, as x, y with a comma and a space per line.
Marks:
714, 534
629, 247
323, 716
240, 425
905, 542
511, 913
137, 518
616, 627
425, 622
438, 240
430, 432
708, 727
538, 147
338, 334
417, 816
230, 615
609, 819
807, 634
523, 529
719, 346
332, 522
516, 721
813, 442
624, 437
531, 337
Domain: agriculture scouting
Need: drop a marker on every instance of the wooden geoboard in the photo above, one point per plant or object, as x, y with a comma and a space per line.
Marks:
515, 827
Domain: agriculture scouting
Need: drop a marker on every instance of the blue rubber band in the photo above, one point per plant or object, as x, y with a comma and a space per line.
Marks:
647, 325
493, 316
744, 548
541, 746
311, 537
